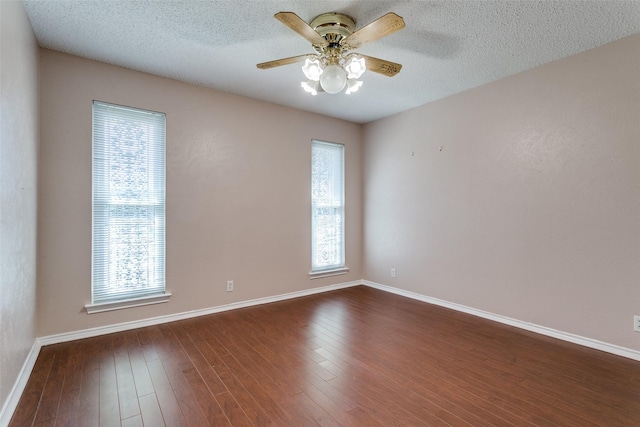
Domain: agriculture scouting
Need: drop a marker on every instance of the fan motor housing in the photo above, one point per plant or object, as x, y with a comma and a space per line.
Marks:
333, 26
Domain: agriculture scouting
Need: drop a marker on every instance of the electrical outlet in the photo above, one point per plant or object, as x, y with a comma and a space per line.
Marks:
229, 285
393, 272
636, 323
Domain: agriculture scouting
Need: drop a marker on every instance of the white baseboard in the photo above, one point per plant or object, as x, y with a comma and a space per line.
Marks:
119, 327
11, 403
543, 330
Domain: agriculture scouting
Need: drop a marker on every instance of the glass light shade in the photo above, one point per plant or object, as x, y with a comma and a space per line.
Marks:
333, 79
312, 69
353, 85
355, 67
310, 86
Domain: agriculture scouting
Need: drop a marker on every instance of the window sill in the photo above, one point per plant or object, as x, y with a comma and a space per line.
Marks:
129, 303
328, 273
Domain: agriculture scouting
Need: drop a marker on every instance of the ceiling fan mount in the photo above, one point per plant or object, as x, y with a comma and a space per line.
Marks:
332, 36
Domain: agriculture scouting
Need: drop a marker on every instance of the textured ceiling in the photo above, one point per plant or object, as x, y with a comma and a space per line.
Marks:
446, 47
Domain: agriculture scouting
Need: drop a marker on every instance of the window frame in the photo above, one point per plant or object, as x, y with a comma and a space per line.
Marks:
340, 267
107, 205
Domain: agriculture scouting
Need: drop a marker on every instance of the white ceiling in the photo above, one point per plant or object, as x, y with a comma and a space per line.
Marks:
446, 47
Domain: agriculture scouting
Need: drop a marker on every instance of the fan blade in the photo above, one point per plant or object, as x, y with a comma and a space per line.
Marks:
283, 61
381, 66
296, 23
382, 27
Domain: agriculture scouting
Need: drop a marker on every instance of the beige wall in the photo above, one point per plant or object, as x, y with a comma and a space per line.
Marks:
18, 179
238, 183
532, 208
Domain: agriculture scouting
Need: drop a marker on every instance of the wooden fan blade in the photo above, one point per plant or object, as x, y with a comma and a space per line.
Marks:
381, 66
381, 27
296, 23
283, 61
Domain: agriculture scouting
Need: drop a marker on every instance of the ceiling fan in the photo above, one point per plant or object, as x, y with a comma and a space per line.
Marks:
333, 36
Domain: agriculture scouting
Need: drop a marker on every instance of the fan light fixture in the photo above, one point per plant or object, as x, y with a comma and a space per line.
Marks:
355, 67
310, 86
312, 69
353, 86
333, 74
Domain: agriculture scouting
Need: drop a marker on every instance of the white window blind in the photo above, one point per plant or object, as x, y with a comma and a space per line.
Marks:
327, 206
128, 203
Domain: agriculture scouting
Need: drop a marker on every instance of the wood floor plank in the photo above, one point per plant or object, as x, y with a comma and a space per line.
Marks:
150, 412
48, 407
213, 407
359, 417
141, 377
351, 357
203, 358
338, 413
135, 421
24, 414
284, 381
67, 419
306, 411
146, 344
127, 394
250, 407
172, 360
167, 401
255, 386
89, 410
109, 404
462, 400
192, 363
232, 410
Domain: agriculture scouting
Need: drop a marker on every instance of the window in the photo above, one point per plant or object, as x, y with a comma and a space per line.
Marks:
327, 207
128, 207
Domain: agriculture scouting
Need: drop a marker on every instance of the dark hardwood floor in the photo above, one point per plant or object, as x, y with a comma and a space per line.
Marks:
351, 357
